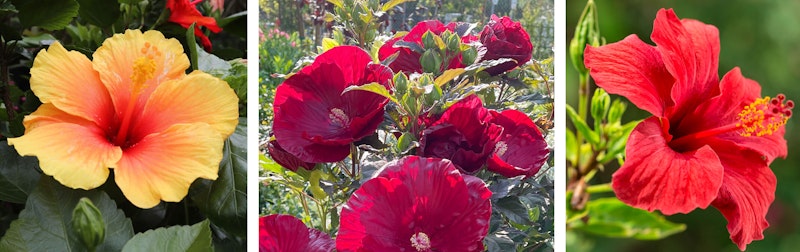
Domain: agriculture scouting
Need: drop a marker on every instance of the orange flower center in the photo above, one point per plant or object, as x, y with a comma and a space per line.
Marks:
144, 69
421, 242
763, 117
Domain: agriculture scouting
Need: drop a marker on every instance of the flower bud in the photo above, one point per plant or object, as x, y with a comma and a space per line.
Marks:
586, 32
87, 222
600, 103
468, 56
400, 84
431, 61
616, 111
428, 40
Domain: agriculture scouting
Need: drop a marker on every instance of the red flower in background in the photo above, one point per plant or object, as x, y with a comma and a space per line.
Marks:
521, 149
283, 233
286, 159
184, 13
416, 204
314, 121
408, 60
503, 38
463, 134
709, 141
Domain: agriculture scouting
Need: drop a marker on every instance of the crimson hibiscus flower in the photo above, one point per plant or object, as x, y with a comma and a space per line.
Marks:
407, 59
286, 159
185, 13
521, 149
279, 232
503, 38
709, 141
416, 204
463, 134
314, 121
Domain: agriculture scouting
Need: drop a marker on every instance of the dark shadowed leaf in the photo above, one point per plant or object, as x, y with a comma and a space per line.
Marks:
18, 175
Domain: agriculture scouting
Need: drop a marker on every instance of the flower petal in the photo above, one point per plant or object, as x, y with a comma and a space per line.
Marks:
114, 61
521, 149
163, 165
71, 149
655, 177
748, 189
66, 79
690, 50
632, 69
279, 232
195, 98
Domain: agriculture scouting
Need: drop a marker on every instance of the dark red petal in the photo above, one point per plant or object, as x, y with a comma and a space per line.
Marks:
286, 159
522, 148
281, 233
414, 195
747, 191
690, 50
416, 32
632, 69
654, 177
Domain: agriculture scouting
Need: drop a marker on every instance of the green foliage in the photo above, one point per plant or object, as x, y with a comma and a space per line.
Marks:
196, 237
50, 15
18, 176
610, 217
278, 54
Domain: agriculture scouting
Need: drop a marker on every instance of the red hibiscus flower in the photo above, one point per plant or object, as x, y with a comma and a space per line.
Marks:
408, 60
709, 141
521, 149
416, 204
314, 121
185, 13
281, 233
503, 38
463, 134
286, 159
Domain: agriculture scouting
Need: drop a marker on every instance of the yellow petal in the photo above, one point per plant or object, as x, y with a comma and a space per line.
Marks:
163, 165
76, 155
198, 97
47, 113
67, 80
114, 60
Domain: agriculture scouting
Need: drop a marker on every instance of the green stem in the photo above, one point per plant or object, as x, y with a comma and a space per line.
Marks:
601, 188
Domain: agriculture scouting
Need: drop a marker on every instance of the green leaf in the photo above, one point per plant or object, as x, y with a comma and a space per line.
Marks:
18, 175
391, 4
48, 14
499, 243
192, 44
571, 147
196, 237
210, 63
328, 43
373, 87
102, 13
224, 201
337, 3
46, 222
582, 127
448, 75
612, 218
513, 209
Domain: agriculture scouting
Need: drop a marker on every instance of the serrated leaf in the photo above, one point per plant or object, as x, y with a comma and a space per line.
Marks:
45, 223
612, 218
224, 201
18, 175
196, 237
582, 127
375, 88
102, 13
47, 14
448, 75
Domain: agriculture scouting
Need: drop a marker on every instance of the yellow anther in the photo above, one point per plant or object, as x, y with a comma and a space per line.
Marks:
763, 117
144, 69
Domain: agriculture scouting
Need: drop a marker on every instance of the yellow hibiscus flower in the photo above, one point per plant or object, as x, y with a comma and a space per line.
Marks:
132, 108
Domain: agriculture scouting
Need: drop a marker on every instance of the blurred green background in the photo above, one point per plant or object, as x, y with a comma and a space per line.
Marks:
760, 36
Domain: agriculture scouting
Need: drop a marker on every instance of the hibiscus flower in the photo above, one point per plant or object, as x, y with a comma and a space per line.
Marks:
463, 134
185, 13
503, 38
132, 108
407, 59
521, 149
286, 159
279, 232
709, 141
416, 204
314, 121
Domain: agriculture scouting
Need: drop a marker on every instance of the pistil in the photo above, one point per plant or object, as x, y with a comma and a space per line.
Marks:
144, 69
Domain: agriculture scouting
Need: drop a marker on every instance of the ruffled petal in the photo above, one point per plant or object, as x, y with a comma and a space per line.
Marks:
655, 177
163, 165
281, 233
71, 149
67, 80
632, 69
747, 191
114, 61
195, 98
521, 149
690, 50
